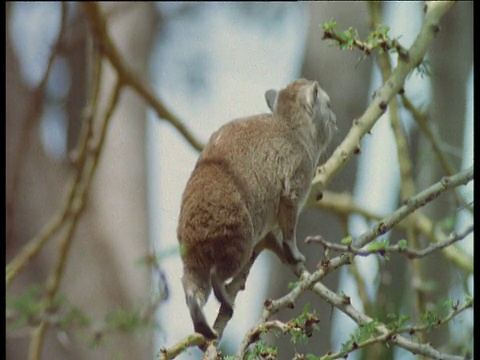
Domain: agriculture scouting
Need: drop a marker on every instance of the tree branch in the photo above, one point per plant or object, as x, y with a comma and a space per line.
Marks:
344, 305
434, 11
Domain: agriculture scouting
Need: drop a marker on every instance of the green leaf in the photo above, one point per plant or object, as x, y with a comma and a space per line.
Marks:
306, 308
292, 284
126, 320
363, 332
329, 26
379, 245
74, 316
402, 244
26, 307
397, 322
347, 240
448, 223
260, 350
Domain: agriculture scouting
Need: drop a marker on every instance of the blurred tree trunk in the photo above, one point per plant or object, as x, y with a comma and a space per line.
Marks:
112, 234
347, 86
451, 64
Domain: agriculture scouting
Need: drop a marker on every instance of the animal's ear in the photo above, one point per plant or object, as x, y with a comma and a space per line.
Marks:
270, 97
309, 97
313, 93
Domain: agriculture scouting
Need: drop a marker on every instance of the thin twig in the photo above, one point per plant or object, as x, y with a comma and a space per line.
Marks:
343, 205
33, 247
253, 334
410, 253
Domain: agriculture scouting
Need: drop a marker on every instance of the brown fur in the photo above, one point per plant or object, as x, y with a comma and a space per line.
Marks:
251, 179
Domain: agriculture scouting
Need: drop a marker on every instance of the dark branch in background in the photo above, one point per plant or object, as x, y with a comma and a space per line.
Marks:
33, 115
127, 76
421, 119
77, 197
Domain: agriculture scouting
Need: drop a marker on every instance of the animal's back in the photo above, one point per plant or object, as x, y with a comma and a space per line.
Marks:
262, 152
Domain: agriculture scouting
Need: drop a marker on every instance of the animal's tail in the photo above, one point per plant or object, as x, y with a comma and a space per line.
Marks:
196, 296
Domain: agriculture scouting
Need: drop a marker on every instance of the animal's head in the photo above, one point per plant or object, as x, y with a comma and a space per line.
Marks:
301, 103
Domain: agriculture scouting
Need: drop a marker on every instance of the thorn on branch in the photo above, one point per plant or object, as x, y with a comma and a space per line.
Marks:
445, 181
382, 228
268, 304
383, 106
346, 300
403, 54
324, 264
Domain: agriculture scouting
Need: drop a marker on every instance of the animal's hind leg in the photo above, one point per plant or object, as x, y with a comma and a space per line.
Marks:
287, 216
271, 243
220, 291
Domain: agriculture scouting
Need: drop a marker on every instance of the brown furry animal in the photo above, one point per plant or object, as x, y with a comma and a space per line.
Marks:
252, 178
